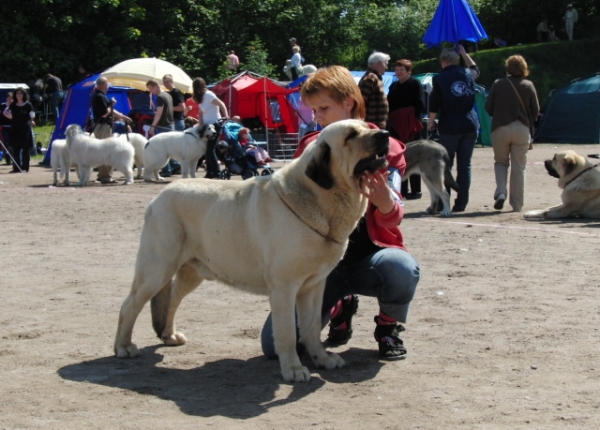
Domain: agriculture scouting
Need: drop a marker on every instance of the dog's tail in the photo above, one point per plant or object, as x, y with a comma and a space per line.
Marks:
159, 306
449, 181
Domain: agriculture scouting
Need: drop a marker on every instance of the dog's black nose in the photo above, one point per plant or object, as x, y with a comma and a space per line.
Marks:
382, 135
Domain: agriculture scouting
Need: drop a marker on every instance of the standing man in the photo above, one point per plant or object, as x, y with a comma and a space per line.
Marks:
163, 117
233, 62
104, 114
53, 87
371, 88
570, 19
453, 97
180, 110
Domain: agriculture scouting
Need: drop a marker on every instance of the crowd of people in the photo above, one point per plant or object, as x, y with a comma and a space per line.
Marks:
377, 262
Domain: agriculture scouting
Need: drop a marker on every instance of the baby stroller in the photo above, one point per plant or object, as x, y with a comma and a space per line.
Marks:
231, 153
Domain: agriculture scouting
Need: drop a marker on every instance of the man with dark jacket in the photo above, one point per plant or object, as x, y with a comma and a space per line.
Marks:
453, 98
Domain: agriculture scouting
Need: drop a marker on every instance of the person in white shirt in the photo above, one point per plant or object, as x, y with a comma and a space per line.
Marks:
296, 62
211, 110
570, 19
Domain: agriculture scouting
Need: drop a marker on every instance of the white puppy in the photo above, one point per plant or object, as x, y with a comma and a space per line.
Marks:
139, 143
60, 160
186, 147
87, 152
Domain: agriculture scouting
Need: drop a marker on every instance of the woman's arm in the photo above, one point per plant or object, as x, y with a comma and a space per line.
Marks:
222, 107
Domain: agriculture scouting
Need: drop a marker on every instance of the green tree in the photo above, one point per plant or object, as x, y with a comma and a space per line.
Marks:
257, 59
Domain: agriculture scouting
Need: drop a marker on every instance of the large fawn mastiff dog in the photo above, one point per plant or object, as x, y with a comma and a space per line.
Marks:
580, 182
296, 223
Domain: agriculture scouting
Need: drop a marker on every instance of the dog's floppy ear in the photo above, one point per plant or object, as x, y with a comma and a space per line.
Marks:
202, 130
318, 168
569, 164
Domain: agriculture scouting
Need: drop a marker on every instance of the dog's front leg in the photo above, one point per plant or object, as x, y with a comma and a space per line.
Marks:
309, 318
284, 333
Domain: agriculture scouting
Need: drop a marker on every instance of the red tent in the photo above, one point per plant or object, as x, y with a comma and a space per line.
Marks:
249, 96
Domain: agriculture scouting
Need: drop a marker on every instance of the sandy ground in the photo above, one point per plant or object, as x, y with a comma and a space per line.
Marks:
503, 331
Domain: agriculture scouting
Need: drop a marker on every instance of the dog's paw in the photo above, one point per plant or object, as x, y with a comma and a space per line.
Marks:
534, 214
175, 339
296, 374
128, 351
446, 213
431, 210
147, 180
128, 183
330, 361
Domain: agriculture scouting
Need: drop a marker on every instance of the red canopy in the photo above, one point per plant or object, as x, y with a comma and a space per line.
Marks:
250, 96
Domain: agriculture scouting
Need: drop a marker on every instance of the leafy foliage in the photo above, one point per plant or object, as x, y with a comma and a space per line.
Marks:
56, 36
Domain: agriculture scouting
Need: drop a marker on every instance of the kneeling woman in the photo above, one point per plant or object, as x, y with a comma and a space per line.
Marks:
376, 263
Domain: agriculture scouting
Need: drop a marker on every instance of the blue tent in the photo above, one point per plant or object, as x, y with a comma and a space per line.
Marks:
572, 114
453, 21
388, 78
77, 105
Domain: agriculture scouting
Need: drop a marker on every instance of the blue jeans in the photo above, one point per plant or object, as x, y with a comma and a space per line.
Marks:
390, 274
56, 99
461, 146
179, 124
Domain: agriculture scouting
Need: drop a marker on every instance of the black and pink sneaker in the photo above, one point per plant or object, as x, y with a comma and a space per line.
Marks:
340, 326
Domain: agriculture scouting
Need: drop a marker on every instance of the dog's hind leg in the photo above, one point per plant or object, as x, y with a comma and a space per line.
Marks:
434, 183
145, 286
164, 305
84, 175
282, 301
127, 170
309, 320
432, 209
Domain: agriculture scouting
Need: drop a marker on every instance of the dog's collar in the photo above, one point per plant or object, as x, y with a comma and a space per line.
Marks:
581, 173
327, 237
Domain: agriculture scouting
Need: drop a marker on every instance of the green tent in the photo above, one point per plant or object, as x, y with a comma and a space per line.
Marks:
572, 113
485, 122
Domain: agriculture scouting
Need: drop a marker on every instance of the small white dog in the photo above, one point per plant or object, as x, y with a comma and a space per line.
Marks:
139, 143
87, 152
186, 147
60, 160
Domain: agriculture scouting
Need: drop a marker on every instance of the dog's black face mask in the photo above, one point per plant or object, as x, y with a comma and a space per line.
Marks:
550, 169
377, 161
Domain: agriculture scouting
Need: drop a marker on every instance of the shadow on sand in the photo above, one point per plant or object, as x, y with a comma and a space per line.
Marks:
228, 387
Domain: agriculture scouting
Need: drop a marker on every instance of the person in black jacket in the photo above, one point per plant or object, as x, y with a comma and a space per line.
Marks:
21, 114
5, 124
405, 99
453, 98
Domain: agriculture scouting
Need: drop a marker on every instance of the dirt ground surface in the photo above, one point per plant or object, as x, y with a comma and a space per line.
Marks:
503, 331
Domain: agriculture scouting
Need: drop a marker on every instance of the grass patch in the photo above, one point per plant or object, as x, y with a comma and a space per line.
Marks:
43, 133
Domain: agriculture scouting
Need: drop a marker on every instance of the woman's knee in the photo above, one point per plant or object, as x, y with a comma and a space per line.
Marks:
400, 274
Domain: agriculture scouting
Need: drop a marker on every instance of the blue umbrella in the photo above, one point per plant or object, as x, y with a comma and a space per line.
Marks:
454, 20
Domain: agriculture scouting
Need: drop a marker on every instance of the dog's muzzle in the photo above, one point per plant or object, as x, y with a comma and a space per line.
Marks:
550, 169
377, 161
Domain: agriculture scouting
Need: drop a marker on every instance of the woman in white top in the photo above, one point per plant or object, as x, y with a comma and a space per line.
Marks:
211, 110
